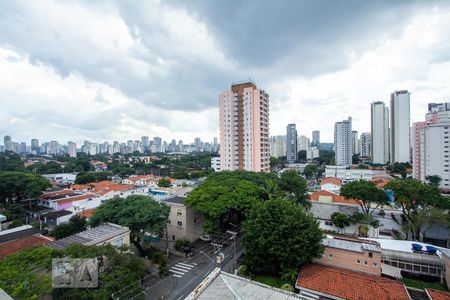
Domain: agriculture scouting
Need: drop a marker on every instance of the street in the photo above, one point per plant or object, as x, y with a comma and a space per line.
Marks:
185, 274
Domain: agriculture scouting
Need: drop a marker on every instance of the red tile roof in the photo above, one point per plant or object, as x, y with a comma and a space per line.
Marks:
380, 182
332, 180
103, 190
102, 183
349, 285
80, 186
86, 213
438, 295
22, 243
139, 177
315, 196
55, 193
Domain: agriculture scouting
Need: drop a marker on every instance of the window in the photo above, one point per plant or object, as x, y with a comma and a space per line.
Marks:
118, 242
173, 238
365, 264
375, 265
358, 262
179, 212
370, 254
328, 223
179, 223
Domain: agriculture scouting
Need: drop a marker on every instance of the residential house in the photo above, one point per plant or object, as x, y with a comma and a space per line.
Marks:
19, 238
183, 221
57, 217
316, 281
352, 254
107, 233
331, 184
139, 180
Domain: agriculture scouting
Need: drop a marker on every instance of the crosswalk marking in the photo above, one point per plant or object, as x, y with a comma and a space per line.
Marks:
180, 269
187, 265
194, 264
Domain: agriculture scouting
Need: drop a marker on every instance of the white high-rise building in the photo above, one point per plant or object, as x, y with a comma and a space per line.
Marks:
431, 142
379, 132
244, 128
72, 149
278, 146
303, 143
400, 127
343, 142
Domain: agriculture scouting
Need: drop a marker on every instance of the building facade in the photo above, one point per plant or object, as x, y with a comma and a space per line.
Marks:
291, 143
244, 128
366, 144
400, 127
343, 142
379, 132
315, 138
431, 144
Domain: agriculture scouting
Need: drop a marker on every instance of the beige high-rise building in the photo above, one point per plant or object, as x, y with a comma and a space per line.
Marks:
244, 128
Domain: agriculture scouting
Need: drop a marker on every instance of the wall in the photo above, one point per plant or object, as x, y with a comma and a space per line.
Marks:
348, 260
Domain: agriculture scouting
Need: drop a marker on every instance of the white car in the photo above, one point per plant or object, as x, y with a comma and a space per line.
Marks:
206, 238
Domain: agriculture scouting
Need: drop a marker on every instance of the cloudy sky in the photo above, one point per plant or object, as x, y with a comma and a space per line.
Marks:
117, 70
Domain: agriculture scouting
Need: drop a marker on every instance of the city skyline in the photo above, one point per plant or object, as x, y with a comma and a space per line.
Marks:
162, 67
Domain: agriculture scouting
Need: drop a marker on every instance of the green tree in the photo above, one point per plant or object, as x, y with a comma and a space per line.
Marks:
434, 180
301, 155
310, 171
366, 194
413, 197
295, 186
76, 224
23, 275
224, 195
16, 186
10, 161
279, 236
86, 177
340, 220
165, 182
141, 214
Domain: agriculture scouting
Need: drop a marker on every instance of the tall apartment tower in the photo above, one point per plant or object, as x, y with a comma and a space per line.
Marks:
291, 143
366, 144
315, 138
400, 126
431, 142
244, 128
72, 149
343, 142
355, 142
380, 132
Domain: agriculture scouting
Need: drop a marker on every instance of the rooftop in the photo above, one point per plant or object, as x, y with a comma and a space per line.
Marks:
175, 199
437, 295
350, 245
14, 246
90, 236
332, 180
335, 282
57, 214
10, 235
219, 285
329, 197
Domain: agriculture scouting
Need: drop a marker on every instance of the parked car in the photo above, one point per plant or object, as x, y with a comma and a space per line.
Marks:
206, 238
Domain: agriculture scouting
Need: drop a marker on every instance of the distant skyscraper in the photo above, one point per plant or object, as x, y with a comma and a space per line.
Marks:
366, 144
278, 146
7, 142
145, 142
303, 143
343, 142
400, 126
244, 128
72, 149
291, 143
355, 142
35, 146
380, 132
315, 138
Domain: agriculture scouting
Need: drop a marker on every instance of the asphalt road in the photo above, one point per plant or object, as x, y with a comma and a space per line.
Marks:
185, 274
